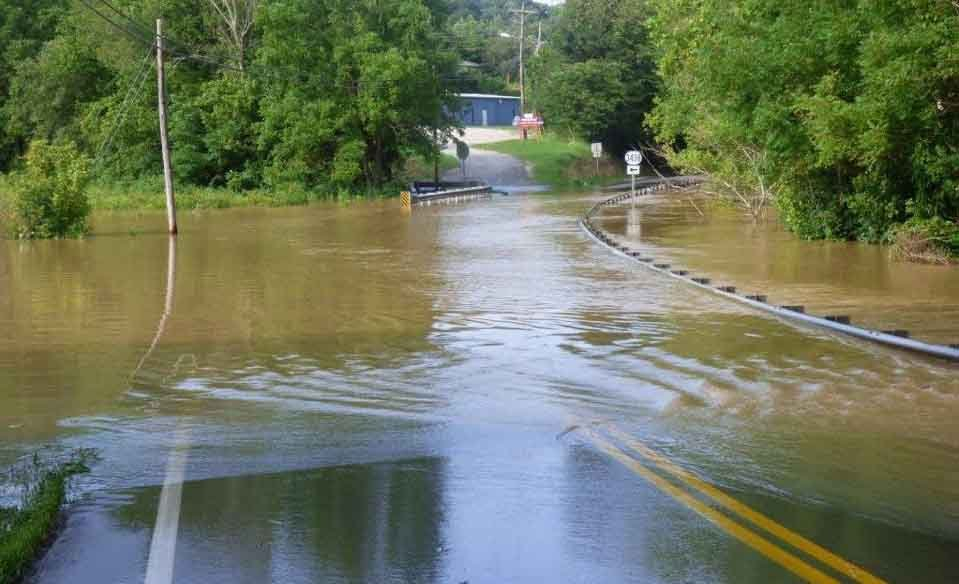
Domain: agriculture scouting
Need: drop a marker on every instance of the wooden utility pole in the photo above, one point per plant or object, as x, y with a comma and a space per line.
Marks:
522, 55
164, 141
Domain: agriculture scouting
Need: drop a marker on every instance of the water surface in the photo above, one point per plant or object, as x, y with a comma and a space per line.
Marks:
375, 396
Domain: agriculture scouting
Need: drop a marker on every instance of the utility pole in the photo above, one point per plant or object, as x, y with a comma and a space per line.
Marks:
522, 54
164, 141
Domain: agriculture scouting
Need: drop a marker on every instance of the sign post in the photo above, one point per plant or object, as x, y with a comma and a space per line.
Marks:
530, 122
597, 148
463, 153
634, 158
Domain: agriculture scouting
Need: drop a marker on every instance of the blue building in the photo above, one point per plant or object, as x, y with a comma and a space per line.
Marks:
478, 109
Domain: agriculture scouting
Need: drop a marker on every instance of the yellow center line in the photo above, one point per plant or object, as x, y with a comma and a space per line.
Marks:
747, 536
791, 537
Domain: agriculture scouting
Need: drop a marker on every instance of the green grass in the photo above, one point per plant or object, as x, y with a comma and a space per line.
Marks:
560, 163
26, 530
145, 196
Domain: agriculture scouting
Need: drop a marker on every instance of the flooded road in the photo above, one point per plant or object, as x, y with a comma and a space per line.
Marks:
361, 395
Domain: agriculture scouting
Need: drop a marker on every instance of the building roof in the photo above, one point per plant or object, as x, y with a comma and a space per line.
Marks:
486, 96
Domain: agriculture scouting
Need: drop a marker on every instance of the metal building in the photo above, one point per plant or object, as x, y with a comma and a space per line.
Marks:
478, 109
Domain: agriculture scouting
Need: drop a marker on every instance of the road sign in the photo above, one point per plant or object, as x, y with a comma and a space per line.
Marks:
462, 150
597, 150
634, 158
633, 170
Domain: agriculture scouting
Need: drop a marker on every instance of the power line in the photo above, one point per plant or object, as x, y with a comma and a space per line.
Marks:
124, 30
137, 85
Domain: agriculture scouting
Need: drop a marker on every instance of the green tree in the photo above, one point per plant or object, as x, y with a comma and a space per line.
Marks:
844, 111
600, 59
368, 90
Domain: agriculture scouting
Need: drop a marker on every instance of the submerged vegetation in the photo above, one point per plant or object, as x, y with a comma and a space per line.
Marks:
48, 198
28, 525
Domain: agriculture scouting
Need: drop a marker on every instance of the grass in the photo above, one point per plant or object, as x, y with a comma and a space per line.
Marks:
560, 163
147, 194
26, 529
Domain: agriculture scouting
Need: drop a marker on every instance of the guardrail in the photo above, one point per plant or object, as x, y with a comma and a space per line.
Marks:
424, 193
838, 323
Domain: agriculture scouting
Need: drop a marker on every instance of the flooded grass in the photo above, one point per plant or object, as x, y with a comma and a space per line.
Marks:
28, 527
147, 194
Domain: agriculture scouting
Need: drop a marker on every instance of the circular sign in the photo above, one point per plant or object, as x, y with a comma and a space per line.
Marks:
462, 150
634, 157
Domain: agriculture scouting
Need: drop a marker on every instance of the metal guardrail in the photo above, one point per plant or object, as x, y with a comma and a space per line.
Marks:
838, 323
424, 193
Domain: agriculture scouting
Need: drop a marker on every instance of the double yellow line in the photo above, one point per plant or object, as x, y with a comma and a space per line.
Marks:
751, 538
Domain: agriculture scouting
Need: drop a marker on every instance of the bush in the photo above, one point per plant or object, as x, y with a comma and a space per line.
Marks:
934, 241
49, 194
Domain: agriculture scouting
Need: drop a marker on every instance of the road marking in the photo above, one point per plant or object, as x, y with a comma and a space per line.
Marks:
791, 537
747, 536
163, 546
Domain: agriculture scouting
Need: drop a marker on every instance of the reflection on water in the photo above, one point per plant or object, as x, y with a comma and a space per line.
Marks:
376, 396
373, 523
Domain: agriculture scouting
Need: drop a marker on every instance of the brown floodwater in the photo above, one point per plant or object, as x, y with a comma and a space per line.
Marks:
828, 277
373, 396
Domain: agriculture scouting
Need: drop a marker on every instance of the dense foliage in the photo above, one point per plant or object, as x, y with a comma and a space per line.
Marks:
485, 36
323, 94
847, 113
49, 198
596, 78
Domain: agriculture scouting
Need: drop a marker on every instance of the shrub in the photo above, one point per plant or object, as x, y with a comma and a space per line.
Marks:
49, 194
933, 241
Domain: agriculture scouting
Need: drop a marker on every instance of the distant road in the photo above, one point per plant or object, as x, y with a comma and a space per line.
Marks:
500, 170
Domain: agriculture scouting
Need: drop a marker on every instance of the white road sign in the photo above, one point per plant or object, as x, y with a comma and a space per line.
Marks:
633, 170
634, 158
597, 149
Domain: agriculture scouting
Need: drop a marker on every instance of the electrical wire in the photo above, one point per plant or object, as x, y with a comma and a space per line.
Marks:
137, 86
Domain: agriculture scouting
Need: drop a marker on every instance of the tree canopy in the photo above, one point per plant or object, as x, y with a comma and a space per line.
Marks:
847, 111
323, 93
